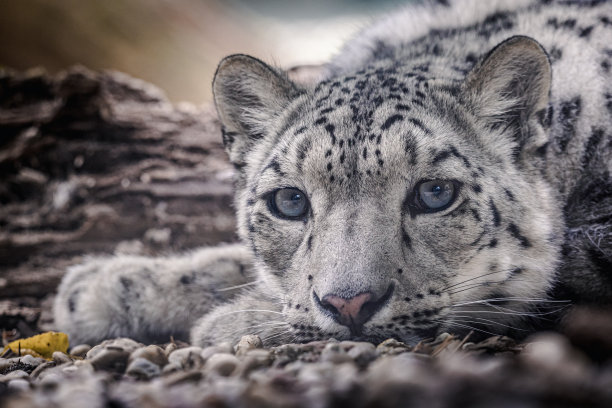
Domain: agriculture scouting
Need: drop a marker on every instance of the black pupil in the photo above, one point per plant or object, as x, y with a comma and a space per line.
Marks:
296, 197
436, 190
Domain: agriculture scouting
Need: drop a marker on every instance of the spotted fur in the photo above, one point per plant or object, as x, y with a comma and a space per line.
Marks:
509, 100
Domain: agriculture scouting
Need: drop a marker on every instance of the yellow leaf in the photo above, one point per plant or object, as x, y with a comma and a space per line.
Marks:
41, 345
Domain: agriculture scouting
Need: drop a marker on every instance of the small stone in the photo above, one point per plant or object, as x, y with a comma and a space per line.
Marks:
119, 344
334, 353
110, 359
31, 360
222, 364
41, 368
553, 354
187, 358
246, 343
153, 353
80, 350
254, 359
13, 375
4, 364
362, 353
171, 368
19, 384
143, 368
51, 379
170, 348
392, 347
61, 358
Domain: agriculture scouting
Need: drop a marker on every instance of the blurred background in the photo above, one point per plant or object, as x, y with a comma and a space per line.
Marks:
176, 44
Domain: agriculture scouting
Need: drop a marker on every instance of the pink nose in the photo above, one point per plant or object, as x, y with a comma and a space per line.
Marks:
349, 310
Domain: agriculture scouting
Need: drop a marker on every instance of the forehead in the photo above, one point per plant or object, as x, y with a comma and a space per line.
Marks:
370, 128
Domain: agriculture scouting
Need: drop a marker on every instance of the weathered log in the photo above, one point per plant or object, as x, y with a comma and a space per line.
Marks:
95, 163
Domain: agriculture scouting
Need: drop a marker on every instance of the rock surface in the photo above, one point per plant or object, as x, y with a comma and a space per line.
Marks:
445, 372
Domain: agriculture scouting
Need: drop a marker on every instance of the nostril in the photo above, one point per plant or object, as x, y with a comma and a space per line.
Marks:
355, 311
327, 305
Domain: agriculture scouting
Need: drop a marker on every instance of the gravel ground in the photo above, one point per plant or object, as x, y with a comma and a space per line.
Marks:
573, 369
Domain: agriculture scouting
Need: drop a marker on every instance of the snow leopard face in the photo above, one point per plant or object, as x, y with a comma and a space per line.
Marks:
396, 201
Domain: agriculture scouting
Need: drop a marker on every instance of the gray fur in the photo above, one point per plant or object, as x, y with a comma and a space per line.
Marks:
510, 99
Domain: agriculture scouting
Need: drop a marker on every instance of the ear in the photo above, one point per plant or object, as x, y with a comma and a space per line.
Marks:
248, 95
509, 89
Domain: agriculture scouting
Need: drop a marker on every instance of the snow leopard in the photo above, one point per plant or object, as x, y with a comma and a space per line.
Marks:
447, 171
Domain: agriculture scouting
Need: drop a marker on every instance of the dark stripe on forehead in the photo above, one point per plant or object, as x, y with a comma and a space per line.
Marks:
420, 125
274, 165
302, 150
390, 121
445, 154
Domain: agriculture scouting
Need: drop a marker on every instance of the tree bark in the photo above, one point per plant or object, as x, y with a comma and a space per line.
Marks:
99, 163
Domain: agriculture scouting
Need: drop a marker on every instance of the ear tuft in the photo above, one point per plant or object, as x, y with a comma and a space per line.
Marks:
511, 86
248, 94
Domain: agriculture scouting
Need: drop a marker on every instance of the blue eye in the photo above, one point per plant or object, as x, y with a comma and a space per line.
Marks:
289, 203
436, 194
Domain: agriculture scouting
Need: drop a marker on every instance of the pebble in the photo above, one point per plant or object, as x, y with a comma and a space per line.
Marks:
362, 353
392, 347
246, 343
41, 368
13, 375
223, 365
170, 348
153, 353
553, 354
187, 358
61, 358
31, 360
334, 353
110, 359
18, 384
255, 359
143, 368
119, 344
80, 350
222, 348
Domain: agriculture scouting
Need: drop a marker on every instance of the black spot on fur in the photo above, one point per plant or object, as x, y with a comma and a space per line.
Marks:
275, 166
555, 54
590, 147
420, 125
586, 31
516, 233
390, 121
401, 107
475, 214
186, 279
569, 112
495, 212
407, 240
72, 300
477, 188
330, 129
